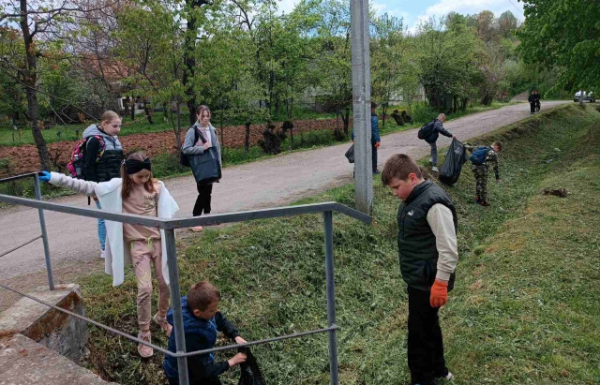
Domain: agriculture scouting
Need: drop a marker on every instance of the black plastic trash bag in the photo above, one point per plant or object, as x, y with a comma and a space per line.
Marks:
455, 158
350, 154
250, 372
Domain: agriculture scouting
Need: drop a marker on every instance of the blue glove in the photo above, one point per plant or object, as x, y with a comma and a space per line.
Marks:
45, 177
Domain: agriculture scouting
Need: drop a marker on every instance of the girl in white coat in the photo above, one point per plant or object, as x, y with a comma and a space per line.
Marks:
136, 192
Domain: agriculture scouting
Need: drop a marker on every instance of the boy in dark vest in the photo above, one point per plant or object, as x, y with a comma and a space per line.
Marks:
481, 170
428, 256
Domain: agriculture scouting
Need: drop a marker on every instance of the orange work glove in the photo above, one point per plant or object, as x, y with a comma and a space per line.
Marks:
377, 144
439, 293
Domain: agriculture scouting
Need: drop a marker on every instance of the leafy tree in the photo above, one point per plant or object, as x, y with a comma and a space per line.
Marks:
507, 22
388, 60
564, 35
449, 68
332, 33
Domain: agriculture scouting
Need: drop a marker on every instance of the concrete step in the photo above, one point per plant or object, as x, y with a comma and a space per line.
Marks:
25, 362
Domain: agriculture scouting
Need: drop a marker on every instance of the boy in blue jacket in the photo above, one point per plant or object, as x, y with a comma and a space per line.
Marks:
201, 321
375, 138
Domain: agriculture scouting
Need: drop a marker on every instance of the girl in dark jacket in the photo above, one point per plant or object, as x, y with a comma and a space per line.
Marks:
201, 146
103, 156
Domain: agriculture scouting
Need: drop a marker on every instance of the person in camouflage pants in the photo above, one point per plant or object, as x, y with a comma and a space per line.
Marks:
481, 170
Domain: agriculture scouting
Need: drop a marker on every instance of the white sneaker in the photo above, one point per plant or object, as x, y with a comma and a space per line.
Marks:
435, 169
102, 253
430, 160
447, 377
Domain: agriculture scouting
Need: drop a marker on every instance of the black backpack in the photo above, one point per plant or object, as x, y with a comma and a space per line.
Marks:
426, 131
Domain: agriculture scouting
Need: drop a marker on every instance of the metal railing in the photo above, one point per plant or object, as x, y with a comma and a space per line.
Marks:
169, 226
44, 234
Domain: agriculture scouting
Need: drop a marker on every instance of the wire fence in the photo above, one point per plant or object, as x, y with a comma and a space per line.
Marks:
169, 226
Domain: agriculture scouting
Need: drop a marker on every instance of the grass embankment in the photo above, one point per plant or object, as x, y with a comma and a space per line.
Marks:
525, 310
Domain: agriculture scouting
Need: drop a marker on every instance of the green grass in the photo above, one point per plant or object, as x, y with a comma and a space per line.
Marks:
525, 309
57, 133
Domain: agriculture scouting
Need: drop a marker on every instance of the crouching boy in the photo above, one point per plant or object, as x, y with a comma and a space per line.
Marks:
201, 321
481, 158
428, 257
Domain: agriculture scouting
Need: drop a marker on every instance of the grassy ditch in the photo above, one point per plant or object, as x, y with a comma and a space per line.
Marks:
525, 310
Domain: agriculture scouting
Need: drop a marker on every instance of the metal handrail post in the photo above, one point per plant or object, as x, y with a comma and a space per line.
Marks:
38, 196
333, 359
182, 363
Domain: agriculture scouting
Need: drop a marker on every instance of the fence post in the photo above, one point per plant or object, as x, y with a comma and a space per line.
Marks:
38, 196
182, 364
333, 364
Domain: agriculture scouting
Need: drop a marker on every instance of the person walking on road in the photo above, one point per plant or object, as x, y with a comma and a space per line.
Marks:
375, 138
201, 146
102, 159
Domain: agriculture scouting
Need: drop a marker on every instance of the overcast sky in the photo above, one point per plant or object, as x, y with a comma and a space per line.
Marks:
415, 11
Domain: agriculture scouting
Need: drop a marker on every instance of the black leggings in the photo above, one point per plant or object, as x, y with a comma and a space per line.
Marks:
203, 200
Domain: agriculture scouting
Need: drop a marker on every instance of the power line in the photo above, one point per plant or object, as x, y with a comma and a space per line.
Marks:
517, 8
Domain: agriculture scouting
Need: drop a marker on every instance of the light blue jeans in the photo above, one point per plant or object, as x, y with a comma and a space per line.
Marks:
433, 153
101, 229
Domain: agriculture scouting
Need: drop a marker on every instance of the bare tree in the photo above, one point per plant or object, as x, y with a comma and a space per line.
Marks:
40, 21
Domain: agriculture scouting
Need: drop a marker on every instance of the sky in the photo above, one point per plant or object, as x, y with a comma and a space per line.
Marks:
415, 11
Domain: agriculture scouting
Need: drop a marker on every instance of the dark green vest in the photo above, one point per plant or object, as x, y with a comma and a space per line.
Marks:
416, 242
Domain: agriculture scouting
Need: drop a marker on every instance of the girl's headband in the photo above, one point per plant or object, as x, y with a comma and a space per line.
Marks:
133, 166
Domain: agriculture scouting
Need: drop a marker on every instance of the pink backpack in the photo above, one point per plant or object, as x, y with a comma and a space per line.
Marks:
76, 164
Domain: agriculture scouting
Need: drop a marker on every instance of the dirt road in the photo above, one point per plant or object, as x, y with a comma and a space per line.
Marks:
269, 183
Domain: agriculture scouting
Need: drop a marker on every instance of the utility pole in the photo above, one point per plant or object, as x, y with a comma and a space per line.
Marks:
361, 103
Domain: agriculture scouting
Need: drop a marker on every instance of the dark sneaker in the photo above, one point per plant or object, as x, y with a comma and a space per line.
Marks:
376, 172
484, 203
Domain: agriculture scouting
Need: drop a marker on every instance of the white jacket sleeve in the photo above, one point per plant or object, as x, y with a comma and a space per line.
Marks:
79, 185
441, 222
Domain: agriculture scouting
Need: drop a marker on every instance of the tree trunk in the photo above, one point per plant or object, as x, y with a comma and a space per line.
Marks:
290, 110
178, 132
190, 62
247, 139
346, 120
30, 79
147, 112
222, 136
